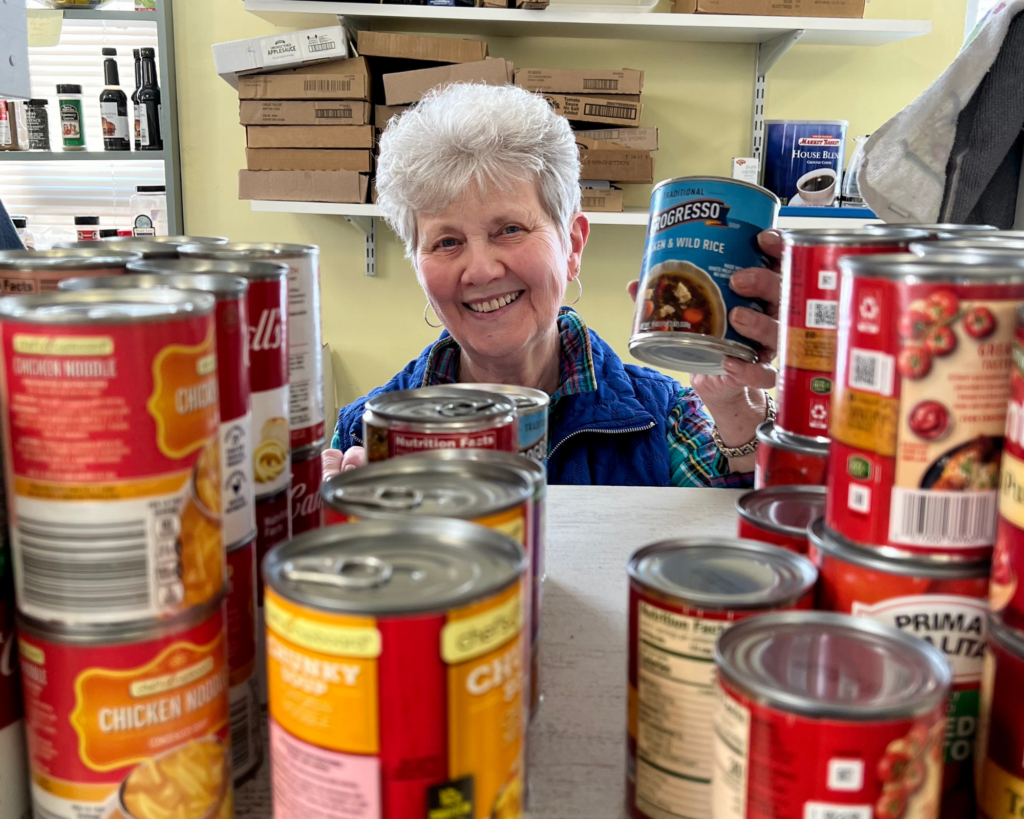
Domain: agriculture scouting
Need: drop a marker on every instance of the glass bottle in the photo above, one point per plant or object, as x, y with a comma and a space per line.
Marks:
113, 107
135, 96
150, 137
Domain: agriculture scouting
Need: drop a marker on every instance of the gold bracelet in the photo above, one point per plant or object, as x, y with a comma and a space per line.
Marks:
751, 446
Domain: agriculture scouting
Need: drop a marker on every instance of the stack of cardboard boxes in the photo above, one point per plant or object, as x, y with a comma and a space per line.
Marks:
609, 155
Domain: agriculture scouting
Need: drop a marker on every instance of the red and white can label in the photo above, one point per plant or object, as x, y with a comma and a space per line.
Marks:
307, 505
14, 800
268, 352
999, 770
1006, 590
241, 612
389, 443
273, 526
306, 375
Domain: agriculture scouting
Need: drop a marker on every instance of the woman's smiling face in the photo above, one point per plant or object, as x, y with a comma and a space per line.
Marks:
495, 270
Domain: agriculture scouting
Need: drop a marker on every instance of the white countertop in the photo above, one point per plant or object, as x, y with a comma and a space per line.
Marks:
577, 742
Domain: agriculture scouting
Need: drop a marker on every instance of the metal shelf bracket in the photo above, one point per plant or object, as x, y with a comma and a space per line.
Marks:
768, 53
367, 225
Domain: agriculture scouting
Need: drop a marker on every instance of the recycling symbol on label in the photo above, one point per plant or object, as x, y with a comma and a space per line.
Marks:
869, 309
818, 412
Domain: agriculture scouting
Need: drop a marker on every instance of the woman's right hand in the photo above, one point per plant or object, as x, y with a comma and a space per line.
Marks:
335, 461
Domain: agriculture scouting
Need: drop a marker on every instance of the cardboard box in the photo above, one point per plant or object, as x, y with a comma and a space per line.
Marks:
284, 50
596, 109
410, 86
382, 114
310, 136
325, 112
304, 186
617, 166
774, 8
610, 139
417, 47
335, 80
581, 81
532, 4
289, 159
602, 200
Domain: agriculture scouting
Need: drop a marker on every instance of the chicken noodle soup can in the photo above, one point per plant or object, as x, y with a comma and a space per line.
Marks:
129, 722
407, 422
306, 501
25, 272
243, 698
780, 514
306, 377
683, 594
919, 408
702, 230
823, 714
809, 309
941, 602
126, 380
396, 661
788, 460
531, 415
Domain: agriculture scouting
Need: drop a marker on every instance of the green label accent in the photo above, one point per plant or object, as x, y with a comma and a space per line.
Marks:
821, 386
961, 725
859, 467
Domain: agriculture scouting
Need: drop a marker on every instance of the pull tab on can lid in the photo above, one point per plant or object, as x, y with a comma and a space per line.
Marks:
441, 405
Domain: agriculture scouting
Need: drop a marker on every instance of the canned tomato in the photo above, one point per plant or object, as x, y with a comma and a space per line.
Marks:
24, 272
407, 422
919, 407
396, 667
233, 498
306, 376
244, 703
682, 595
810, 293
124, 719
531, 415
941, 602
788, 460
126, 382
702, 230
307, 505
824, 715
780, 514
999, 757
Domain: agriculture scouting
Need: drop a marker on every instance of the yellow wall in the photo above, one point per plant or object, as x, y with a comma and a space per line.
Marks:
698, 95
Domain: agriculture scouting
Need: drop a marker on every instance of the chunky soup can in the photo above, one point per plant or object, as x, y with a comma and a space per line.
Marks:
788, 460
396, 664
305, 339
808, 312
125, 381
919, 407
25, 272
702, 230
941, 602
683, 594
407, 422
827, 715
243, 696
128, 722
306, 501
780, 514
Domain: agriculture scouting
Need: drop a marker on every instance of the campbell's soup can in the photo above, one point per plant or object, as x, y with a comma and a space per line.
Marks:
126, 382
273, 526
702, 230
531, 414
398, 682
120, 720
14, 799
243, 696
408, 422
780, 515
788, 460
919, 408
306, 501
683, 594
24, 272
941, 602
305, 340
235, 504
809, 309
823, 714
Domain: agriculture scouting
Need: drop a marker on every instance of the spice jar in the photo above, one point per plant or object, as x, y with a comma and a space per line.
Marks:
88, 228
38, 119
72, 121
149, 210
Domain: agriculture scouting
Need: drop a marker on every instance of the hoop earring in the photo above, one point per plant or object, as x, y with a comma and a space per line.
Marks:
579, 284
435, 326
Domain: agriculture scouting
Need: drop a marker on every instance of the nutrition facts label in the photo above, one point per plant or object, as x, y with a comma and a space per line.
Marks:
731, 757
676, 676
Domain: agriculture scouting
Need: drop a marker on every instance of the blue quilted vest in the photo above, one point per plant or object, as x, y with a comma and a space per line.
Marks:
613, 436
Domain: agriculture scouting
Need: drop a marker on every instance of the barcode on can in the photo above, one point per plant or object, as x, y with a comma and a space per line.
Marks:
821, 315
600, 85
612, 111
241, 718
943, 519
871, 371
333, 113
327, 85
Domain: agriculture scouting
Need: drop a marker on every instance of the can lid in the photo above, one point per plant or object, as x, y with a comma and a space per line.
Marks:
150, 189
687, 352
868, 236
441, 406
96, 255
832, 544
509, 460
946, 227
770, 435
824, 665
249, 250
1007, 637
418, 486
950, 268
725, 180
178, 240
221, 286
379, 568
19, 221
787, 510
104, 306
69, 88
147, 249
997, 246
87, 220
525, 398
723, 574
253, 271
306, 452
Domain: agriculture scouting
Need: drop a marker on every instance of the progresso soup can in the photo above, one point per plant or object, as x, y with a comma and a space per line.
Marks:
788, 460
24, 272
396, 661
407, 422
531, 414
803, 160
702, 230
825, 715
683, 594
780, 514
919, 409
938, 601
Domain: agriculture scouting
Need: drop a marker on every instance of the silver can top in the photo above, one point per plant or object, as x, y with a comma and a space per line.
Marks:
526, 399
222, 287
845, 237
149, 250
254, 251
105, 306
785, 510
253, 271
770, 435
444, 407
85, 258
947, 269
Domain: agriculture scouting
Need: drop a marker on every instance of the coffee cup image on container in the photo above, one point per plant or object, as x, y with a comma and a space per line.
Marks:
818, 187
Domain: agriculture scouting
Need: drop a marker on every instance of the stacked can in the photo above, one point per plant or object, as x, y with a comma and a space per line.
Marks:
111, 432
23, 272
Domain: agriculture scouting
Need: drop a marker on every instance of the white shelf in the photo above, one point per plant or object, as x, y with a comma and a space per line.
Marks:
564, 22
81, 156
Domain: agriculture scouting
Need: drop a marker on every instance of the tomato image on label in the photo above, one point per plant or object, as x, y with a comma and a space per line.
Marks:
979, 322
914, 361
929, 420
940, 340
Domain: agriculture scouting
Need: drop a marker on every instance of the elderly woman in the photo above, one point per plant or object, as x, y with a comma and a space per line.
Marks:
483, 186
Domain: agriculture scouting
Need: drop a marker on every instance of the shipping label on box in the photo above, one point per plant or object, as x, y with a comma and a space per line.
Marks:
304, 186
335, 80
596, 109
310, 136
405, 87
617, 166
289, 159
280, 50
417, 47
611, 139
602, 200
581, 81
324, 112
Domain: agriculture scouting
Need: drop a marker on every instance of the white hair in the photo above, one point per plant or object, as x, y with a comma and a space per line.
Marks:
462, 134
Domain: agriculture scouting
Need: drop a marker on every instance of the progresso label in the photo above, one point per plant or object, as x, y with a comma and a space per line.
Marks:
803, 161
